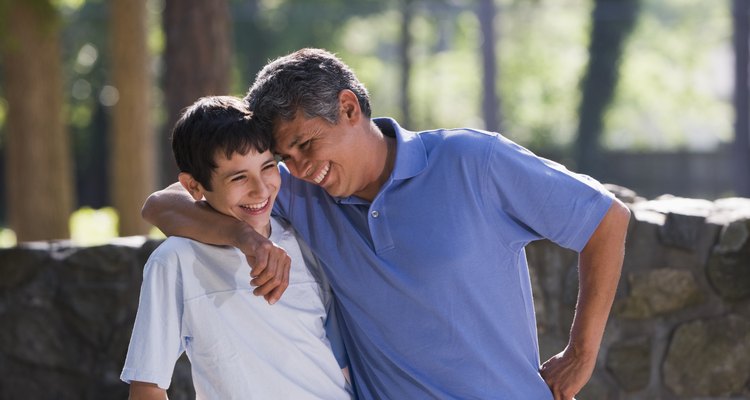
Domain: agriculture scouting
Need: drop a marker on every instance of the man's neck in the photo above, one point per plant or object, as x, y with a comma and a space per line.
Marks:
385, 160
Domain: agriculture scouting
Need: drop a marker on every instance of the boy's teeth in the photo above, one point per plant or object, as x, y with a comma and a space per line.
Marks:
256, 206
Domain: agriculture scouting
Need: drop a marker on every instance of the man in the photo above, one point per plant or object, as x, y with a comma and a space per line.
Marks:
195, 297
422, 236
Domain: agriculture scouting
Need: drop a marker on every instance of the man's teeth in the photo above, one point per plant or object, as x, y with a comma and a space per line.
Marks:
257, 206
322, 174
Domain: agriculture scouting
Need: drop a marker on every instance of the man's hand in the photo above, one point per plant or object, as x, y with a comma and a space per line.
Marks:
177, 213
567, 372
269, 265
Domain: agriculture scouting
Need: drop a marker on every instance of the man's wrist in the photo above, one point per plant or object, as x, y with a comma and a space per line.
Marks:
241, 234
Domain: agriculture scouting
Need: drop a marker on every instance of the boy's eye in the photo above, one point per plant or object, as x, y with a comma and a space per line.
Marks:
238, 178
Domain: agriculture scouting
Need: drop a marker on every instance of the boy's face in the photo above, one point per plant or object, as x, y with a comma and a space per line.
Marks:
244, 187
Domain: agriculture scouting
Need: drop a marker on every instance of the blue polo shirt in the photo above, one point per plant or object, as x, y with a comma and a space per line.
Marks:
431, 276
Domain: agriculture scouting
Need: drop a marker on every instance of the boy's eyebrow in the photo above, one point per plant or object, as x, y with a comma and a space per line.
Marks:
232, 173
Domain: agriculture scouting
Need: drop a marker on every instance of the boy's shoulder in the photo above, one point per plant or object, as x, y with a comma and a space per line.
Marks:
176, 249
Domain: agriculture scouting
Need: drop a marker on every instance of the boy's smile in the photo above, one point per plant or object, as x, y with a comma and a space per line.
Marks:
245, 187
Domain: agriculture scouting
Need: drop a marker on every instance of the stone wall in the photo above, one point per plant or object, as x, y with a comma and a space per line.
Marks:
679, 329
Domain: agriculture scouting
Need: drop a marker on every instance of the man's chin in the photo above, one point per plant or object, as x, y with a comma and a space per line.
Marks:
334, 193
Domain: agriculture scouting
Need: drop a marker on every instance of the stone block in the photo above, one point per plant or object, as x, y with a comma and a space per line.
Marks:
709, 358
596, 388
733, 237
728, 267
682, 231
729, 275
658, 292
630, 363
19, 266
35, 336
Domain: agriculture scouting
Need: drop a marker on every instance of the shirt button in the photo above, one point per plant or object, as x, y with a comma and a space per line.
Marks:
375, 214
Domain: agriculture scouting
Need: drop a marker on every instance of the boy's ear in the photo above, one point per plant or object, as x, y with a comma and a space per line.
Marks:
191, 185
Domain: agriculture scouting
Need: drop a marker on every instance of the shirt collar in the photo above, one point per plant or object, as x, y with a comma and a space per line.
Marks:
411, 156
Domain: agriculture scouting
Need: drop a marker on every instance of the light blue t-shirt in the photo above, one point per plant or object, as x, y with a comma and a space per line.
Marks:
431, 277
196, 298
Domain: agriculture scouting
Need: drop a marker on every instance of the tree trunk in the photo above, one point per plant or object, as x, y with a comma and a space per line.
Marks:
612, 23
741, 146
407, 13
133, 158
39, 166
490, 102
197, 60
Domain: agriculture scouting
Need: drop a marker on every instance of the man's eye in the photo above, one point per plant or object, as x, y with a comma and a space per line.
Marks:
304, 145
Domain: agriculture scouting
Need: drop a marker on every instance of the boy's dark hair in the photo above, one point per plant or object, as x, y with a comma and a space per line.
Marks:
309, 80
212, 125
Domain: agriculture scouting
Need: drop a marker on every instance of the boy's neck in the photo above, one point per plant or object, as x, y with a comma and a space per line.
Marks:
265, 231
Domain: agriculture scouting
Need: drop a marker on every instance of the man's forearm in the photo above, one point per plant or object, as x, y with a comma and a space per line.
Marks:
600, 265
175, 213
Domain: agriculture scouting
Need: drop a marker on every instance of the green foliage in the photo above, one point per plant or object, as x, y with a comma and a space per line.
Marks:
542, 57
676, 88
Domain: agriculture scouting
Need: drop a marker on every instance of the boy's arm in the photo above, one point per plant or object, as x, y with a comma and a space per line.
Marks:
175, 213
146, 391
600, 264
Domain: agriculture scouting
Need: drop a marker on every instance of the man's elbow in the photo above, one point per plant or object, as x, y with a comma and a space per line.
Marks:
621, 214
612, 229
148, 211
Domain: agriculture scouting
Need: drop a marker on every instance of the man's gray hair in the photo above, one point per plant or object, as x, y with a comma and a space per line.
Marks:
308, 80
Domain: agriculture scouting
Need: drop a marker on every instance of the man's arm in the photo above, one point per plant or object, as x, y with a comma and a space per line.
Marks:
175, 212
600, 264
146, 391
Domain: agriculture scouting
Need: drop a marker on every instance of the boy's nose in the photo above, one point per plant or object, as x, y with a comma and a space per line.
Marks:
257, 187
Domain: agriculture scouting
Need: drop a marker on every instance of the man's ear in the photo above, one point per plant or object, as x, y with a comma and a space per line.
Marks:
349, 105
191, 185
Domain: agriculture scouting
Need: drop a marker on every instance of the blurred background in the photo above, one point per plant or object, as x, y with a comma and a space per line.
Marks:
647, 94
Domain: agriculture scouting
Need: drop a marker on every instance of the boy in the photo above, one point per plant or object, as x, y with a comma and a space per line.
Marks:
195, 297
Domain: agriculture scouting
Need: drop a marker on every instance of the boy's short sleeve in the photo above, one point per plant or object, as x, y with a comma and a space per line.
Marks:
156, 342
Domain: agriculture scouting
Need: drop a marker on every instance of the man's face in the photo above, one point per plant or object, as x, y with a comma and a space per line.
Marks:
245, 187
327, 155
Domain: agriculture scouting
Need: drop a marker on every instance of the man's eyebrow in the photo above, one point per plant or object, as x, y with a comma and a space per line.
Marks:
294, 142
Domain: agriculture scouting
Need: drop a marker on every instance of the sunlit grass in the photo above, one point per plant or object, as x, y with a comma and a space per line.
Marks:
7, 238
88, 227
